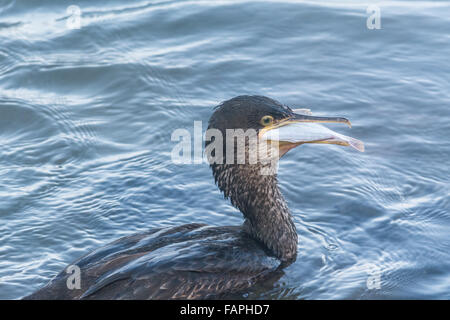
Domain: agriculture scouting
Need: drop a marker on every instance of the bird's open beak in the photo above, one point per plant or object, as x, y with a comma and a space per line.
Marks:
304, 128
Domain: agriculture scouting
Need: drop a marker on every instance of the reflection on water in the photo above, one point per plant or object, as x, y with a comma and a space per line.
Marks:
86, 117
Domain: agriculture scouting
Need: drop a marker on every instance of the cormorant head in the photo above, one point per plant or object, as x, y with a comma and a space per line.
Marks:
269, 123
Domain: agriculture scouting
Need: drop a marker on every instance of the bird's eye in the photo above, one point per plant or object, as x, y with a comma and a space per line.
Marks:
266, 120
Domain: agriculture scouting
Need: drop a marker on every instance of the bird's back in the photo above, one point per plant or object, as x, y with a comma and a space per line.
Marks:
192, 261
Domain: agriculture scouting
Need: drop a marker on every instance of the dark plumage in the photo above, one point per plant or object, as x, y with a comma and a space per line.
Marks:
196, 261
192, 261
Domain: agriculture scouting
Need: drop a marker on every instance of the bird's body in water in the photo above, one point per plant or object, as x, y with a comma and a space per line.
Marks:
196, 261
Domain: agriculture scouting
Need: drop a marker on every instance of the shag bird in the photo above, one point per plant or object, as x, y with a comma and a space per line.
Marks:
196, 261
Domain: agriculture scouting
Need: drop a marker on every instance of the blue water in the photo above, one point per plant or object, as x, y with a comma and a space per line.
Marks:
86, 117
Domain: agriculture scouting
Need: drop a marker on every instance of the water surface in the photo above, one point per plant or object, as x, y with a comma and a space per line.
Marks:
86, 117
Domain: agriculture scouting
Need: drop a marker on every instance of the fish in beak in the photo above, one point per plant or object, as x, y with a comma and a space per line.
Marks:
302, 128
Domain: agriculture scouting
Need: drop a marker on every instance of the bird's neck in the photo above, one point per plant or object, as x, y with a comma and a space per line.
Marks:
257, 196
